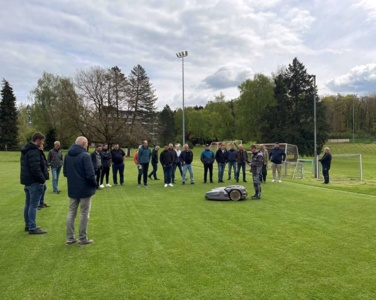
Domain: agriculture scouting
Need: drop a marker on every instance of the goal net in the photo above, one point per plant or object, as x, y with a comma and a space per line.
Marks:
304, 168
215, 145
344, 167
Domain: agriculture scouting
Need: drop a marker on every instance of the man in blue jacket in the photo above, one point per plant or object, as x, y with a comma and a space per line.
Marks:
143, 159
82, 185
207, 158
277, 156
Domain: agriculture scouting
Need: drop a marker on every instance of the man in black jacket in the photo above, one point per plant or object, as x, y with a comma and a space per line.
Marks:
325, 162
186, 158
167, 158
79, 171
221, 158
96, 159
256, 167
154, 163
33, 176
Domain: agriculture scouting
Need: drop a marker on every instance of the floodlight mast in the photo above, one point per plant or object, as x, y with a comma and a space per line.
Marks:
182, 55
315, 127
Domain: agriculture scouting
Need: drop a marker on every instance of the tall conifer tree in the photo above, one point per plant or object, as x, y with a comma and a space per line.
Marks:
8, 118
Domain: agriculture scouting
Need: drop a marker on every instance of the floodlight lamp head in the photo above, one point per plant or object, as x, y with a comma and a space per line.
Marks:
182, 54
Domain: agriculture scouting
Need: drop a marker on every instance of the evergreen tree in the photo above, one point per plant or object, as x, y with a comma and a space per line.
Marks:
142, 99
8, 118
167, 126
291, 120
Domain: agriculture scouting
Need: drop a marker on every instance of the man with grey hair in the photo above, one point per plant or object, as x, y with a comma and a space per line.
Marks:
186, 158
79, 171
55, 161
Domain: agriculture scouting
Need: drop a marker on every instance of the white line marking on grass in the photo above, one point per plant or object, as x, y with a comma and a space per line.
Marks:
328, 189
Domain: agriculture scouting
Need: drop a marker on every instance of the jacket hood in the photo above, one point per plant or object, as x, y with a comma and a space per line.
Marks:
28, 147
75, 150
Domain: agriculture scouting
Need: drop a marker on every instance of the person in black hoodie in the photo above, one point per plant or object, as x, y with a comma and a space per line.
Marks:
231, 156
82, 185
167, 159
325, 162
33, 177
221, 157
106, 165
154, 163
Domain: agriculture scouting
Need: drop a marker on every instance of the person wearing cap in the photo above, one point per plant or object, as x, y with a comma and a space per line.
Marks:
256, 167
207, 158
277, 156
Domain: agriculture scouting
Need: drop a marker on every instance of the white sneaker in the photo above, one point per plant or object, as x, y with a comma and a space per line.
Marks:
170, 184
273, 180
166, 185
101, 186
108, 185
280, 180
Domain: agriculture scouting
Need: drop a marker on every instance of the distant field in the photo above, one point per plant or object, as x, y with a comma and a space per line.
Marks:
303, 240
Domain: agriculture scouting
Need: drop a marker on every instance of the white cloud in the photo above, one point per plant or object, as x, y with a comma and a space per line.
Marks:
227, 40
360, 79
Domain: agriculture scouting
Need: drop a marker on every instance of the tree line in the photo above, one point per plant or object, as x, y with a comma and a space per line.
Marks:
106, 106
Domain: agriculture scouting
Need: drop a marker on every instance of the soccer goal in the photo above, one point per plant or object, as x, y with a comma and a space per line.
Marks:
304, 167
215, 145
344, 167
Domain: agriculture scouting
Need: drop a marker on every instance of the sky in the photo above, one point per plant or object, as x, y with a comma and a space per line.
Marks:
227, 41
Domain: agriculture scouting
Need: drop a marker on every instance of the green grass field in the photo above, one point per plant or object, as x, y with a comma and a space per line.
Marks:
303, 240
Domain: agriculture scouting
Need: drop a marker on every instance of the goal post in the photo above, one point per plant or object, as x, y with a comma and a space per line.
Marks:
304, 167
344, 167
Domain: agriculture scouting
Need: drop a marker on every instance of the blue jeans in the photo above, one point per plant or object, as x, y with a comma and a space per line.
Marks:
41, 202
167, 174
242, 167
221, 170
115, 169
189, 168
33, 194
231, 165
55, 178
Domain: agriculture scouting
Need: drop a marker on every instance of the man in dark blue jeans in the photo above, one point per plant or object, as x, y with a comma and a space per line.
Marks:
33, 177
117, 156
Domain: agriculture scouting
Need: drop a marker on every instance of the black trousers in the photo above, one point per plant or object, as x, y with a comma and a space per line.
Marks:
263, 173
105, 171
98, 176
154, 172
325, 173
208, 167
145, 168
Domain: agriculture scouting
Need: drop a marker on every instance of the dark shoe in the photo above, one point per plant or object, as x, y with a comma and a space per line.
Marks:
57, 192
85, 242
27, 228
192, 182
156, 179
244, 180
45, 205
70, 242
37, 231
146, 184
229, 178
40, 207
183, 183
211, 181
150, 177
256, 198
204, 181
237, 180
